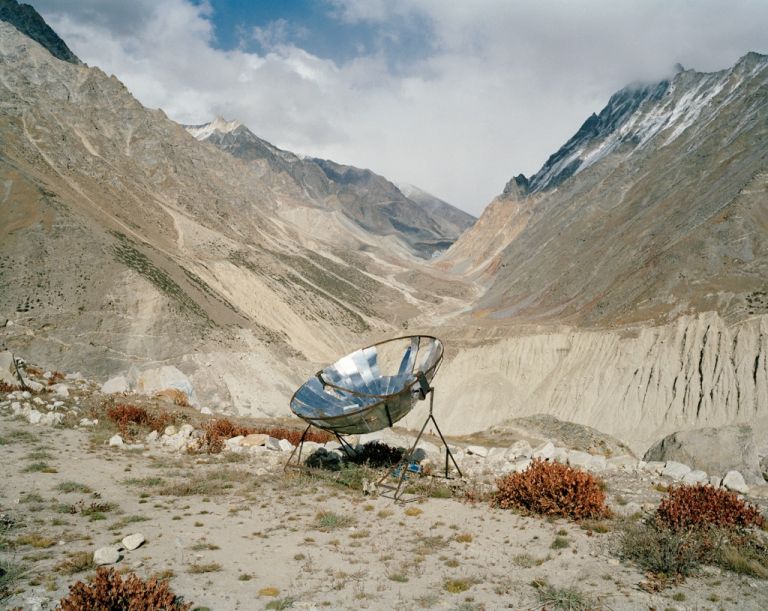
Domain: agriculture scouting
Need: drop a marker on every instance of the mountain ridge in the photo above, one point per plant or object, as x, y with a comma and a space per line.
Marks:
30, 23
368, 199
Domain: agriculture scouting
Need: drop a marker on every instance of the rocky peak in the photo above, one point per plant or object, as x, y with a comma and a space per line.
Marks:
219, 124
29, 22
516, 188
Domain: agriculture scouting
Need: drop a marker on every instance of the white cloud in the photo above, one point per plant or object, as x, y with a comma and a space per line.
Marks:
504, 84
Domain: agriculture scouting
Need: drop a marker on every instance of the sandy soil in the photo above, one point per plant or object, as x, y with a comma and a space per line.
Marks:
235, 532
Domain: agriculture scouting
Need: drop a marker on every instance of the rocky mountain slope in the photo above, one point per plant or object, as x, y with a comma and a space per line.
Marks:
426, 224
623, 286
628, 277
28, 21
124, 240
655, 208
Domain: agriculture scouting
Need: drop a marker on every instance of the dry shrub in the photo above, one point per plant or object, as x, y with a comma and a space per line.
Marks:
55, 378
378, 454
108, 590
704, 506
178, 397
219, 430
129, 417
294, 435
4, 387
552, 489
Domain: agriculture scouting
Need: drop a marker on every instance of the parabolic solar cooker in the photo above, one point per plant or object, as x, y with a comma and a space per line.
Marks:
371, 389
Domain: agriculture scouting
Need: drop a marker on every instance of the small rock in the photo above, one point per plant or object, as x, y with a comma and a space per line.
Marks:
116, 441
545, 451
560, 455
734, 480
696, 477
115, 385
596, 463
61, 390
131, 542
233, 444
675, 470
152, 436
478, 451
624, 462
577, 458
206, 411
34, 386
654, 466
170, 430
285, 445
254, 439
106, 555
715, 481
273, 444
34, 417
51, 419
520, 448
186, 430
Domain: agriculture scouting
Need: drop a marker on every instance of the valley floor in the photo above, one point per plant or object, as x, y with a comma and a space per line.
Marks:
232, 531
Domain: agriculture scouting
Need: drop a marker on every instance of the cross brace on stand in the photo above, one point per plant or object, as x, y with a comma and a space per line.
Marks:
401, 468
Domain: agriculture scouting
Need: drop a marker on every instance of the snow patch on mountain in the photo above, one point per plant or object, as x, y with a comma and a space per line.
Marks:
219, 124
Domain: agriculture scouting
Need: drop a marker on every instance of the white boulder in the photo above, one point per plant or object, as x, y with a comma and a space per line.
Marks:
481, 451
131, 542
696, 477
61, 390
521, 448
116, 441
152, 381
675, 470
106, 555
545, 451
734, 480
579, 459
625, 462
560, 455
115, 385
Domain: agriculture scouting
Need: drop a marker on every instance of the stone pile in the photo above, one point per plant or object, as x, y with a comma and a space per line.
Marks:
44, 401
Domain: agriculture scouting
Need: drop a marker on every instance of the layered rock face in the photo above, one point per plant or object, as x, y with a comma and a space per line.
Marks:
628, 278
638, 384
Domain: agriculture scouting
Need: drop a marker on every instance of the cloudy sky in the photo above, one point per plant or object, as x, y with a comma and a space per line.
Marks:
453, 96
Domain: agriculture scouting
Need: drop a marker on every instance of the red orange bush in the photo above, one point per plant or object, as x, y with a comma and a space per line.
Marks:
128, 417
4, 387
108, 591
552, 489
219, 430
702, 506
